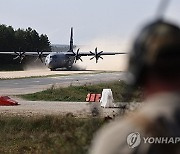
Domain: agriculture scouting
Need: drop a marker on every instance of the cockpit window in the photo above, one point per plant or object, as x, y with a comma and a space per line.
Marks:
54, 56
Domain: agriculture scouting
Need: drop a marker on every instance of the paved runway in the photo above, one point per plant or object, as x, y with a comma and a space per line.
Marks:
30, 85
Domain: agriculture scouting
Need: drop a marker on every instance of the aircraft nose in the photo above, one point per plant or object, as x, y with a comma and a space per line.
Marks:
48, 61
50, 64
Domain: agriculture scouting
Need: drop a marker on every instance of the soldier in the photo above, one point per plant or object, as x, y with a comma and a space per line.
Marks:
155, 128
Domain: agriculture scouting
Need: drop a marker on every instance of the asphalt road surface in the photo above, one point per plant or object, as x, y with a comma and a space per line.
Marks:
31, 85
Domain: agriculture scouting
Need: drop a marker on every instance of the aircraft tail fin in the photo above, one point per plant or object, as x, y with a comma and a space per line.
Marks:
71, 41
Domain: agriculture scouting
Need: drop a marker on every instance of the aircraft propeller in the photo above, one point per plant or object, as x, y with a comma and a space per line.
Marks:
96, 55
20, 55
40, 56
77, 56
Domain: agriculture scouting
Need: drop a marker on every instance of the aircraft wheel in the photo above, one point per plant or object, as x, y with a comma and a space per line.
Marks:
52, 69
69, 67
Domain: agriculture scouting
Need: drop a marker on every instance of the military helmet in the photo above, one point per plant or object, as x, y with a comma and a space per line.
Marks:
156, 48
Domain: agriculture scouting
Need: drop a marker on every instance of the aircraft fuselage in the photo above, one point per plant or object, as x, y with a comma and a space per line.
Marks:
59, 60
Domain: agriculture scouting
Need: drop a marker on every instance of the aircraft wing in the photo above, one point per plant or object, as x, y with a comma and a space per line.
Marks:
21, 54
95, 54
112, 53
90, 54
25, 52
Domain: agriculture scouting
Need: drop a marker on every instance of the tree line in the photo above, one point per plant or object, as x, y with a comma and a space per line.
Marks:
22, 40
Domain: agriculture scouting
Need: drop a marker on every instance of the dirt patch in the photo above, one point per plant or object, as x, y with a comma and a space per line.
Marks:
42, 108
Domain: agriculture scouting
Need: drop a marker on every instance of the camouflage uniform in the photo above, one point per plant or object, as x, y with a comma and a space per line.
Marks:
159, 117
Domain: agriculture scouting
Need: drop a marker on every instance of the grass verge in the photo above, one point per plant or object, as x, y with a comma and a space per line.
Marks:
78, 93
49, 134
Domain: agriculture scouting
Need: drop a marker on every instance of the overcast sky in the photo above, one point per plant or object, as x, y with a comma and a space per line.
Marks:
93, 20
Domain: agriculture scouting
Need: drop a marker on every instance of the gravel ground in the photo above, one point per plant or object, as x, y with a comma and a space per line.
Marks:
78, 109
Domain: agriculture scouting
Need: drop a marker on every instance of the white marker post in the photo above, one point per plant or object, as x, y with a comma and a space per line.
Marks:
107, 98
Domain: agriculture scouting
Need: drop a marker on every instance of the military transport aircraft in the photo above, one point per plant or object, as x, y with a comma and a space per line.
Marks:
66, 59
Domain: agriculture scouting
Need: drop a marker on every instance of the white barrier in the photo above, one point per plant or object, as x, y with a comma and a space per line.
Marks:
107, 98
